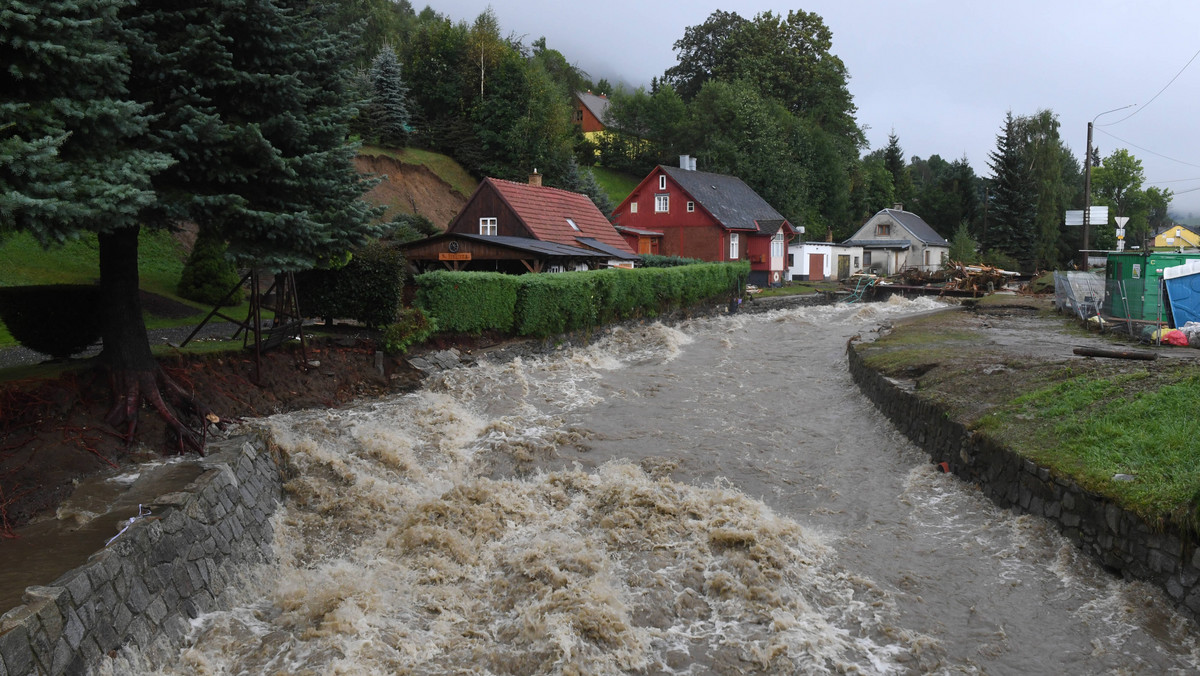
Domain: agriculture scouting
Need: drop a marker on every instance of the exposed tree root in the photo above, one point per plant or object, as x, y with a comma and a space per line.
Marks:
133, 389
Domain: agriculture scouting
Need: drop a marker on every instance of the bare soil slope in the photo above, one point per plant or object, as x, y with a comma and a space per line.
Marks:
411, 189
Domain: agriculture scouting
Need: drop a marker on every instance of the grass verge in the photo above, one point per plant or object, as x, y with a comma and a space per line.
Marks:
1123, 429
617, 185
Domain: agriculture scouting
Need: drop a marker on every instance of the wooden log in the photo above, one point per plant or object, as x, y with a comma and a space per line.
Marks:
1115, 354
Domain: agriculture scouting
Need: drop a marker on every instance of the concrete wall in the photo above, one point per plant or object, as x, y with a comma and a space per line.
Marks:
144, 587
1164, 554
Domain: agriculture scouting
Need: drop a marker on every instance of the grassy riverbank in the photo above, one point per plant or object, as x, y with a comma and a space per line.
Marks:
1124, 429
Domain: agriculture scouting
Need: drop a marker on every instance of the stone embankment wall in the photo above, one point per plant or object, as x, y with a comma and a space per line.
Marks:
165, 569
1163, 554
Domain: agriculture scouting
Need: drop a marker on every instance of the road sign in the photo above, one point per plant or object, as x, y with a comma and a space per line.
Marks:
1074, 217
1120, 233
1120, 245
1121, 221
1098, 215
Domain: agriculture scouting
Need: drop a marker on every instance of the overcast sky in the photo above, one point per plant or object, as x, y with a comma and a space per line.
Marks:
941, 73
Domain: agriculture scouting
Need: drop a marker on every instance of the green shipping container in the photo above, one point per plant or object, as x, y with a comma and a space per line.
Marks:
1140, 277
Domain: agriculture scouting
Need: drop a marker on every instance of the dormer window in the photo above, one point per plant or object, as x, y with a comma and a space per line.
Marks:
487, 226
572, 224
662, 182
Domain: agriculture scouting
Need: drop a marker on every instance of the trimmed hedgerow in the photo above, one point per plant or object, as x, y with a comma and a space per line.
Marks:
547, 304
468, 302
555, 303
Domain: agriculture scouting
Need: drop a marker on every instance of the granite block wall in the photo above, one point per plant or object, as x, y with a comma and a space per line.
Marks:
162, 571
1165, 554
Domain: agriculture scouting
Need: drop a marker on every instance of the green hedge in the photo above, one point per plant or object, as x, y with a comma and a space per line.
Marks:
368, 289
548, 304
468, 302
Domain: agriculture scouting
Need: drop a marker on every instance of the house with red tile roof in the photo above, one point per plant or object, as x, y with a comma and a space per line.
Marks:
707, 216
524, 227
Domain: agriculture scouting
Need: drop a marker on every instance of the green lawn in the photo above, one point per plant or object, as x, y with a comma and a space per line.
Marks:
618, 185
24, 262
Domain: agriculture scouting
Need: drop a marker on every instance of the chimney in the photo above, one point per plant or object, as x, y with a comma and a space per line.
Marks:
535, 178
898, 206
692, 165
685, 162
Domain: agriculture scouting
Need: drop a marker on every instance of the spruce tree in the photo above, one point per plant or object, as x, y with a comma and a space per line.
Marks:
244, 101
388, 107
1010, 214
66, 160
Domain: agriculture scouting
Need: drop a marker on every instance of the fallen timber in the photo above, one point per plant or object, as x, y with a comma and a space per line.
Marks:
1115, 354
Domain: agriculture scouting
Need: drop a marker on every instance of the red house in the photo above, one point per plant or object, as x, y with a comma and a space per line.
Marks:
711, 217
524, 227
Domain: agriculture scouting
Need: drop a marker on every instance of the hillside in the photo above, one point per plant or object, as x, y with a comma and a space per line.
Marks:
414, 188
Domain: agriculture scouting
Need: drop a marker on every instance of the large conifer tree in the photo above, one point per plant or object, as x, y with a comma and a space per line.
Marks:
389, 105
245, 98
66, 163
1011, 210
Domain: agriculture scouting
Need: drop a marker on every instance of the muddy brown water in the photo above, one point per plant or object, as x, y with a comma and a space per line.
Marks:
715, 497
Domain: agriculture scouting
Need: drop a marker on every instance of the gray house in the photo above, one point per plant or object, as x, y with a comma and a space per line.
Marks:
895, 239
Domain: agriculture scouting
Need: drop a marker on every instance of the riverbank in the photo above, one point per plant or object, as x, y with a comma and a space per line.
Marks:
997, 396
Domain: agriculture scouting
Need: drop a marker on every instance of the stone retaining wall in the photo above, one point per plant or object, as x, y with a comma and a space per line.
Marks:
1163, 554
165, 569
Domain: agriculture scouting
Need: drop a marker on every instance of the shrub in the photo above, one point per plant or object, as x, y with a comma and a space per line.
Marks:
410, 328
368, 289
57, 320
208, 275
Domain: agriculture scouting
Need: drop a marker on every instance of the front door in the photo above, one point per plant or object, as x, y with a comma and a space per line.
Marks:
816, 267
843, 267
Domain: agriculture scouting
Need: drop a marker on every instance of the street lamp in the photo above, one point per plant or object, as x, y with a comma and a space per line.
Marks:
1087, 187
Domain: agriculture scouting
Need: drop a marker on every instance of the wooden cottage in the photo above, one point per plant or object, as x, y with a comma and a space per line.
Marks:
524, 227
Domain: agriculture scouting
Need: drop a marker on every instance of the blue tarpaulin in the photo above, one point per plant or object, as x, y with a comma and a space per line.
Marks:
1183, 292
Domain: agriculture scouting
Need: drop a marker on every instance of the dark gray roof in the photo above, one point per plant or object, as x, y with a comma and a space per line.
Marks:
879, 243
596, 244
727, 198
917, 226
534, 246
598, 105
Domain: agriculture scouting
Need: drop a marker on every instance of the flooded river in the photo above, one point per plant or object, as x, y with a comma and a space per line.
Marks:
715, 497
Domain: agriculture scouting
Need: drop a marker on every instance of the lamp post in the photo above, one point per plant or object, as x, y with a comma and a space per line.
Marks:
1087, 188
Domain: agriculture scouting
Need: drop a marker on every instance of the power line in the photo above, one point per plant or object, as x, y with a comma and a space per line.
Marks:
1143, 107
1147, 150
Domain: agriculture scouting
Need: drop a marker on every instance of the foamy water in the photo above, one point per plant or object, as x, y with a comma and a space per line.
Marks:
695, 499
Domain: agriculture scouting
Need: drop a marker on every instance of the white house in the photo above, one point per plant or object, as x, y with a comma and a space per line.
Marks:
894, 239
816, 261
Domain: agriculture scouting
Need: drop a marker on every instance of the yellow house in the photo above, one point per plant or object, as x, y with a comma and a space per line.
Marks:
1176, 236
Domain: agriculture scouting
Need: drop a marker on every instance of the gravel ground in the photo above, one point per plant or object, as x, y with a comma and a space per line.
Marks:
11, 357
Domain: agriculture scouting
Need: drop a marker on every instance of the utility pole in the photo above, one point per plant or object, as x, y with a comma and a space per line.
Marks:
1087, 189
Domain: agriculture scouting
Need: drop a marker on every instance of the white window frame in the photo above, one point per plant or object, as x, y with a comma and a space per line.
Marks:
662, 182
733, 246
662, 203
633, 207
691, 206
488, 226
777, 245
